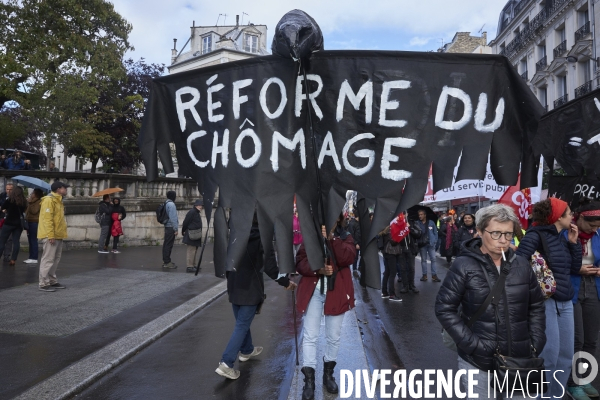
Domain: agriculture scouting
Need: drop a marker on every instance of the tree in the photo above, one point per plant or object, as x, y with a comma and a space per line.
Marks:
12, 128
43, 40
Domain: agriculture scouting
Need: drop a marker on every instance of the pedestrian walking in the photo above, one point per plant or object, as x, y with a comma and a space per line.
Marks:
14, 221
9, 243
467, 230
191, 229
328, 291
116, 229
391, 258
586, 299
32, 216
171, 228
447, 233
104, 213
427, 245
52, 231
552, 223
246, 291
471, 278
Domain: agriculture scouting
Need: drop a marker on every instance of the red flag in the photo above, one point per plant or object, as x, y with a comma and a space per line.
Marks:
519, 201
398, 228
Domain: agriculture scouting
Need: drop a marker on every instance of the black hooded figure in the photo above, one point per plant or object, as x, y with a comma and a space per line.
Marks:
117, 208
191, 229
171, 227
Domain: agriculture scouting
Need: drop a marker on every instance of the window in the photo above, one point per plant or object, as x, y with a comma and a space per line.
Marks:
250, 43
562, 85
543, 97
542, 50
206, 44
560, 33
583, 16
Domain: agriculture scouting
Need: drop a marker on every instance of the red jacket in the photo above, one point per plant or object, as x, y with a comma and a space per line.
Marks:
116, 229
341, 299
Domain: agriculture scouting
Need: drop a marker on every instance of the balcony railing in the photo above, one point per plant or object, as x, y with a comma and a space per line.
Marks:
583, 89
540, 65
561, 100
524, 75
582, 32
560, 49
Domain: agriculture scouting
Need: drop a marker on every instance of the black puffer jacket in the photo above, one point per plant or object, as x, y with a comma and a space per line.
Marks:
466, 284
245, 286
105, 210
464, 233
564, 258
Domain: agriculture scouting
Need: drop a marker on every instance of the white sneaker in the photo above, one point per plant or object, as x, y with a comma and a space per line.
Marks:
102, 251
30, 261
245, 357
227, 372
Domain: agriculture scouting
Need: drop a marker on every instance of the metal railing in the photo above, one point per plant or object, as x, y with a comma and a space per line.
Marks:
582, 32
560, 49
583, 89
540, 65
561, 100
524, 75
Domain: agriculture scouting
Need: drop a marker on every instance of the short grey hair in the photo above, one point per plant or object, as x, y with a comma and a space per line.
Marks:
499, 212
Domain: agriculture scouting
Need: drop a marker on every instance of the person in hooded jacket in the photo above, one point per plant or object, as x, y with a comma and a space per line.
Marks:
328, 291
446, 233
105, 210
246, 291
467, 230
466, 284
552, 218
13, 207
116, 229
192, 221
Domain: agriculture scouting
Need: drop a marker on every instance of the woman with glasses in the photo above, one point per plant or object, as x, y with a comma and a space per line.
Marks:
552, 221
469, 282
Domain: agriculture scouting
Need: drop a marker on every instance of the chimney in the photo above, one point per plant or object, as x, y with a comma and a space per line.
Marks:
237, 20
174, 51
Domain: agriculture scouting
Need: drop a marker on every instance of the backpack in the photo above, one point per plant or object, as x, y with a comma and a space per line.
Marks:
161, 213
98, 216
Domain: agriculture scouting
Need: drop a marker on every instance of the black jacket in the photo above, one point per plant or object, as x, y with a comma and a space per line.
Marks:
192, 221
105, 210
354, 229
466, 285
13, 213
245, 286
564, 258
119, 209
463, 235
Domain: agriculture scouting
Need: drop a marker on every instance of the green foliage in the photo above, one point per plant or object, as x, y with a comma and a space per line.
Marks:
11, 129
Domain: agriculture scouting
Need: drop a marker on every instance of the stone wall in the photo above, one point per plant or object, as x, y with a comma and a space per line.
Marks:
463, 42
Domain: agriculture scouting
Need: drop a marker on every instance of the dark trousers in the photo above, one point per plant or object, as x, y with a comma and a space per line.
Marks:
14, 232
108, 237
355, 265
406, 266
115, 242
168, 244
33, 240
586, 314
390, 262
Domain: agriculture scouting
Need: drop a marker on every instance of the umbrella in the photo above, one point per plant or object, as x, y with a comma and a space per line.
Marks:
107, 191
413, 213
31, 182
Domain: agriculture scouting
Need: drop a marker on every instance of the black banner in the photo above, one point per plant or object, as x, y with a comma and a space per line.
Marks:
380, 119
573, 188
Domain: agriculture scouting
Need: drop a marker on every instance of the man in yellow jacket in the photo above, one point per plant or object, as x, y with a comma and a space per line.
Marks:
52, 230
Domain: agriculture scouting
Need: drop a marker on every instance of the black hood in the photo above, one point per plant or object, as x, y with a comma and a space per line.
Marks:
472, 248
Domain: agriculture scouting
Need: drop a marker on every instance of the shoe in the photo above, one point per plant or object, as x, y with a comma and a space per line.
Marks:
105, 248
404, 290
308, 391
191, 269
30, 261
47, 289
384, 295
414, 289
394, 298
226, 371
328, 378
58, 286
590, 390
169, 265
424, 278
103, 251
115, 251
577, 393
11, 262
245, 357
434, 278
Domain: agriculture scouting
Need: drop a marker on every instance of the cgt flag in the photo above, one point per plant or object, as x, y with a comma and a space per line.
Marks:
398, 228
520, 201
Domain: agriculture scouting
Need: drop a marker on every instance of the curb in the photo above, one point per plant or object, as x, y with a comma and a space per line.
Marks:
77, 377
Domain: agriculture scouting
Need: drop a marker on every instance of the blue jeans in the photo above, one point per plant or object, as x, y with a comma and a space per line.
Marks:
424, 252
560, 345
312, 326
241, 339
33, 240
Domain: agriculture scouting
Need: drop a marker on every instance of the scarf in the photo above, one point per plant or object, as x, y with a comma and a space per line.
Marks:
584, 238
449, 229
558, 209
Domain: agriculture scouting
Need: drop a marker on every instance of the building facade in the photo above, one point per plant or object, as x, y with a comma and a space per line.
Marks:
463, 42
210, 45
554, 45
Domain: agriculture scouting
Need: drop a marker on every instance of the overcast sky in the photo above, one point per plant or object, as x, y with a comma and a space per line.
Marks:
414, 25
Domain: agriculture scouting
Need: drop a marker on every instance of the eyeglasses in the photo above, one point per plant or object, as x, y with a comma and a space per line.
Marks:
496, 235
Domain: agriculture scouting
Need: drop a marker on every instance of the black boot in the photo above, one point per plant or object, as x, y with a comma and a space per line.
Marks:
328, 379
308, 392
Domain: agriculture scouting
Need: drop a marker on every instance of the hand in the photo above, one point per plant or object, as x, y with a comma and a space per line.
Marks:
176, 233
573, 233
357, 247
51, 241
588, 270
327, 270
292, 286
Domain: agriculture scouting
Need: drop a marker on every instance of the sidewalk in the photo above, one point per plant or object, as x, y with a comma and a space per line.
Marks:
108, 297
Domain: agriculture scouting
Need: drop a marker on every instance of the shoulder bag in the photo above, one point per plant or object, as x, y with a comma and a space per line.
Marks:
24, 223
543, 273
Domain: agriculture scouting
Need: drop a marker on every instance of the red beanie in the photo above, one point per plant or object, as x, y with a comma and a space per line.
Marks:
558, 209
